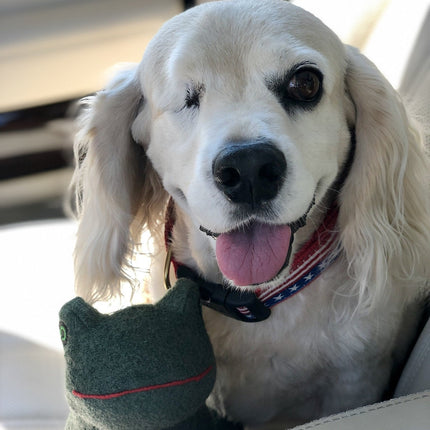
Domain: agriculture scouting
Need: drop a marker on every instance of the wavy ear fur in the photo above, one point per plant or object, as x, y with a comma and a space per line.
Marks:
117, 191
385, 210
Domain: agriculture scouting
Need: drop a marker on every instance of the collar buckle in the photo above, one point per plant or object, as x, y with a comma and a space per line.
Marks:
219, 297
226, 300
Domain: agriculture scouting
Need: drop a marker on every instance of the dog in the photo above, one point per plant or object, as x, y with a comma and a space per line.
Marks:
278, 147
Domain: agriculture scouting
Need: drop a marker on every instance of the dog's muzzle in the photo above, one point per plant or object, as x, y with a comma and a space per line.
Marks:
249, 173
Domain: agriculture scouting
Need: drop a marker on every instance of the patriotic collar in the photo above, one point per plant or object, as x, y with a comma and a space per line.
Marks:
309, 262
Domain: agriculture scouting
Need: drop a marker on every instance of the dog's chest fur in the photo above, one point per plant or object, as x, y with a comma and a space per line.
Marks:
306, 361
314, 356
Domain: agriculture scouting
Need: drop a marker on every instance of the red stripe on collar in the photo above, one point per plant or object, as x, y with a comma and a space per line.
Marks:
317, 249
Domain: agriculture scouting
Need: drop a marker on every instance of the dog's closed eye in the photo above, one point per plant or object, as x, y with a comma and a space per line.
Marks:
192, 98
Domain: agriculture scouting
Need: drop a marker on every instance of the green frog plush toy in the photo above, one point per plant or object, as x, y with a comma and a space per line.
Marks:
143, 367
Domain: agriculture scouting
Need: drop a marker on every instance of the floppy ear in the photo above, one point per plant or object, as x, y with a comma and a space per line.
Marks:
117, 191
385, 212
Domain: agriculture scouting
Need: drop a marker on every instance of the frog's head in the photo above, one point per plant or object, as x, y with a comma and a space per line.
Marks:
142, 367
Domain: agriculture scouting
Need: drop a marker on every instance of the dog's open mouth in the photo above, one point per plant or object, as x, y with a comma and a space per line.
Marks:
256, 252
253, 253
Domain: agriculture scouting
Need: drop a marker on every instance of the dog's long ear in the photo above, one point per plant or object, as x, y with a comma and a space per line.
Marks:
385, 212
117, 191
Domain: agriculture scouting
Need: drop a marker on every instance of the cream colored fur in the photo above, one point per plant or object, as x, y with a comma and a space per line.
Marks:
331, 347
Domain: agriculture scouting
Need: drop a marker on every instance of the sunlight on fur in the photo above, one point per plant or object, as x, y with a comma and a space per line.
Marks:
263, 75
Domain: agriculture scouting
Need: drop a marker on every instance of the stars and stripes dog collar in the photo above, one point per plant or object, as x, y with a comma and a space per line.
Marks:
309, 262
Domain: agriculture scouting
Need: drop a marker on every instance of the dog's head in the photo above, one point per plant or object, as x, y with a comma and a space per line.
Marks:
243, 112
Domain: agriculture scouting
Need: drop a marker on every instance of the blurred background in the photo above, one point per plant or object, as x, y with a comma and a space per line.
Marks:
52, 53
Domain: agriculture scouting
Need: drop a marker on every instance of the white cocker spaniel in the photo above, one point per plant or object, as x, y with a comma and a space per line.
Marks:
260, 127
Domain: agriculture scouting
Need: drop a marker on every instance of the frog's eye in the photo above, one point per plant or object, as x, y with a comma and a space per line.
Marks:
63, 332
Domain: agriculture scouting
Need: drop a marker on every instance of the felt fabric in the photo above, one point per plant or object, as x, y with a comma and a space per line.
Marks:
144, 367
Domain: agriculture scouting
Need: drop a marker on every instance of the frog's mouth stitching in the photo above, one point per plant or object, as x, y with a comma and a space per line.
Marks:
176, 383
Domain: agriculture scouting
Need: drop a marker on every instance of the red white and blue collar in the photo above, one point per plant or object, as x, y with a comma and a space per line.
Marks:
309, 262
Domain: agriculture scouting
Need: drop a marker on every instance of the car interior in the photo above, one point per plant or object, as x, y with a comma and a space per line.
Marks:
55, 52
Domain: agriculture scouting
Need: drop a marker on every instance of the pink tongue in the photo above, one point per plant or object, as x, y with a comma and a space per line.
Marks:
254, 254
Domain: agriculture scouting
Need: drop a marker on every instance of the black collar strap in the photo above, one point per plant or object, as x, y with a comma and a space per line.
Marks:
226, 300
219, 297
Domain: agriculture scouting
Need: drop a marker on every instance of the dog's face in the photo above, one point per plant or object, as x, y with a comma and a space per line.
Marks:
245, 117
242, 112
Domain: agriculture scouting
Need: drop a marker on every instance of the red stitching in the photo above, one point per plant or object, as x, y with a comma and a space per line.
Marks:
141, 389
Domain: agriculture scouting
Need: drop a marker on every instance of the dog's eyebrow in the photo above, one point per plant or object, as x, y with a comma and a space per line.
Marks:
282, 74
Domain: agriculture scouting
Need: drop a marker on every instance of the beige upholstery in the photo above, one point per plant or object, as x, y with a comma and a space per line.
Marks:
405, 413
416, 374
37, 279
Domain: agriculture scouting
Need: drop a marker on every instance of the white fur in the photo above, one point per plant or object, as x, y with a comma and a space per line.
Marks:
330, 347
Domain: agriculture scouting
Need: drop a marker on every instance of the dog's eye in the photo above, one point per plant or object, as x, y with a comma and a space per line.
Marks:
192, 98
301, 88
305, 85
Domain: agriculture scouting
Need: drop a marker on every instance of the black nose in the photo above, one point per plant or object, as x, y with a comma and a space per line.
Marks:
249, 173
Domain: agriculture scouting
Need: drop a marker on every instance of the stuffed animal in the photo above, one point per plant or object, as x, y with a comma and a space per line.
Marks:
143, 367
